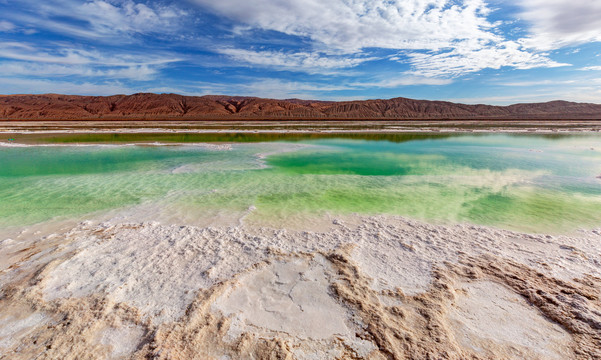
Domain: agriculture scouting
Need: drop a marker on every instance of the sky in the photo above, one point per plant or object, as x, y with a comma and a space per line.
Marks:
470, 51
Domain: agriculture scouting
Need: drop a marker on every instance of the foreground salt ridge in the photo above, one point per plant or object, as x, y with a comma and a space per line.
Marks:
485, 303
387, 287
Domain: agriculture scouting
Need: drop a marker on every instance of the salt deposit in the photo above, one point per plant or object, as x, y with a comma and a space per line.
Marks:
488, 316
368, 287
122, 340
290, 297
14, 329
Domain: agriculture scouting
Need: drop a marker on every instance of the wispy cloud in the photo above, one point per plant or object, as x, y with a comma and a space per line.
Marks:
79, 56
402, 80
581, 94
310, 62
27, 60
559, 23
270, 88
38, 86
134, 72
539, 83
102, 20
282, 89
354, 25
6, 26
442, 38
566, 84
469, 59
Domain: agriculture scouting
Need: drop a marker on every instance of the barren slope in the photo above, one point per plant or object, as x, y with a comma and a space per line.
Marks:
173, 106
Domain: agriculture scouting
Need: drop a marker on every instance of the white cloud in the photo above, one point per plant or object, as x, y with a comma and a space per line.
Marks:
270, 88
103, 19
67, 61
469, 59
284, 89
175, 90
6, 26
406, 80
455, 35
581, 94
315, 63
64, 54
351, 25
26, 52
559, 23
591, 68
140, 72
127, 16
27, 86
540, 83
281, 89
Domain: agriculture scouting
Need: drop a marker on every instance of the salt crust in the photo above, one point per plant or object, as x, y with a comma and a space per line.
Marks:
13, 329
123, 340
291, 299
280, 286
158, 268
490, 312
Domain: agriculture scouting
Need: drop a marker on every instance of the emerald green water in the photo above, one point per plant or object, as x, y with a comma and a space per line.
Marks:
524, 182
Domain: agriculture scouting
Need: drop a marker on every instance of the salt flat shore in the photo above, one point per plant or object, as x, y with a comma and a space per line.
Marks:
292, 126
357, 287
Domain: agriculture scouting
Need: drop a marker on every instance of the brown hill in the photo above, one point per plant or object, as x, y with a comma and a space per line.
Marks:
172, 106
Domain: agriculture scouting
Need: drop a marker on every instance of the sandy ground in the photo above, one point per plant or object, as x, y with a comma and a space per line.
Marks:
361, 288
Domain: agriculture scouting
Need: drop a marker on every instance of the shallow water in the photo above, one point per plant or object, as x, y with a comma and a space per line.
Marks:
535, 183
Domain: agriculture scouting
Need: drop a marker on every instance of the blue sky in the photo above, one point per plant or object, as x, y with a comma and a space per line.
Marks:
472, 51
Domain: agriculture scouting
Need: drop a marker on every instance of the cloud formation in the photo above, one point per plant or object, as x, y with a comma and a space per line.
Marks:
445, 37
42, 86
134, 72
558, 23
67, 61
461, 61
351, 25
6, 26
402, 80
330, 49
103, 19
310, 62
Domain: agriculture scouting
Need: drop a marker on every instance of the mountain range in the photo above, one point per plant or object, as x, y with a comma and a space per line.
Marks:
146, 106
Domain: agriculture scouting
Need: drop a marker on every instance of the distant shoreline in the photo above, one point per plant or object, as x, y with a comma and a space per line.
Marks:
173, 133
296, 125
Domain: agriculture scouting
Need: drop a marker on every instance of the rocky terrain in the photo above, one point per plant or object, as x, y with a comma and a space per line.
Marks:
173, 106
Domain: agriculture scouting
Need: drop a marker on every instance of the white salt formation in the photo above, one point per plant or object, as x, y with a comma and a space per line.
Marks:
290, 297
372, 287
488, 316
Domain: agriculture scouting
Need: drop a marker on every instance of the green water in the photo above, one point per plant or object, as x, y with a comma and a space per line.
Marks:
523, 182
239, 137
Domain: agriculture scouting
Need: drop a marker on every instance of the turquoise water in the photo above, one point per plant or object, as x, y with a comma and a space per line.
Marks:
523, 182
